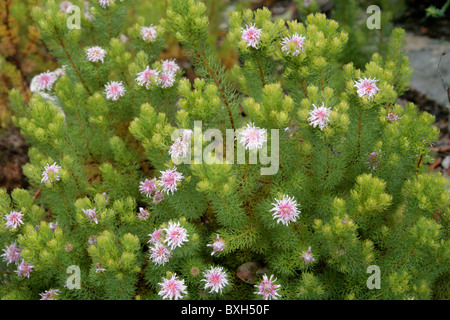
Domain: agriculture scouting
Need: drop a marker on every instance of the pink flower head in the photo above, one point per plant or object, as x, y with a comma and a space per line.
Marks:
95, 54
156, 236
252, 137
24, 269
319, 116
114, 90
176, 235
160, 254
285, 210
267, 288
46, 80
172, 288
49, 294
179, 149
103, 3
308, 257
50, 173
147, 187
170, 66
251, 35
53, 225
148, 77
11, 253
158, 197
64, 6
217, 246
91, 214
366, 87
293, 44
169, 180
215, 279
392, 117
166, 80
149, 33
373, 160
143, 214
14, 219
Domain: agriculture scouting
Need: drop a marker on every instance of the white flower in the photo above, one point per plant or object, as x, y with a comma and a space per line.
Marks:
169, 180
49, 294
95, 54
166, 80
308, 257
252, 137
217, 246
148, 77
45, 81
103, 3
11, 253
319, 116
149, 33
160, 254
366, 87
176, 235
179, 149
267, 288
91, 214
14, 219
170, 66
50, 173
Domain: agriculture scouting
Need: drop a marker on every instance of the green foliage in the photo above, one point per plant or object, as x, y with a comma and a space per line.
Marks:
361, 185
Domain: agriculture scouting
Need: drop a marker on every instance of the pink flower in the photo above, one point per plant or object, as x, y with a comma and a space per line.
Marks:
45, 80
366, 87
251, 35
114, 90
149, 33
95, 54
49, 294
169, 180
392, 117
156, 236
319, 116
148, 77
267, 288
158, 197
11, 254
216, 279
217, 246
176, 235
373, 161
50, 173
172, 288
252, 137
160, 254
308, 257
285, 210
179, 149
166, 80
147, 187
91, 214
24, 269
143, 214
14, 219
293, 44
53, 225
170, 66
64, 6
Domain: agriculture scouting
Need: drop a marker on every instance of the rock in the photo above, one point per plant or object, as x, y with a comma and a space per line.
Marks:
424, 54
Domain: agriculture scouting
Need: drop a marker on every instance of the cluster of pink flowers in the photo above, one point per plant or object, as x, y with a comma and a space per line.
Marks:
165, 78
14, 219
251, 35
366, 87
293, 44
165, 240
168, 182
217, 245
285, 210
50, 173
267, 288
252, 137
319, 116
